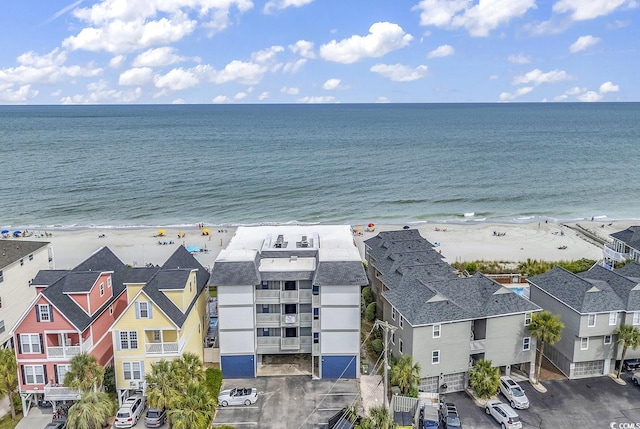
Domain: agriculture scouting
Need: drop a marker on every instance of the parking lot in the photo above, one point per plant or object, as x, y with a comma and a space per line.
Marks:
591, 403
287, 402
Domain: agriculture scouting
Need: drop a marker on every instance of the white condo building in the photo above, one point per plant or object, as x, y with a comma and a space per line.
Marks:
290, 289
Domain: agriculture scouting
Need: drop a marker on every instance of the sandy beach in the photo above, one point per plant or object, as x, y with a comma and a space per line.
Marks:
456, 242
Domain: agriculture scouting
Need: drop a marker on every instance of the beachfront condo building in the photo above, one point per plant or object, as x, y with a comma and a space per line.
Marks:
625, 245
444, 321
290, 289
592, 305
20, 261
71, 314
165, 318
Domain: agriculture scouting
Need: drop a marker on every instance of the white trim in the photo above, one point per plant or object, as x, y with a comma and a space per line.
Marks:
435, 357
605, 339
527, 318
595, 318
613, 315
526, 344
636, 318
437, 334
584, 346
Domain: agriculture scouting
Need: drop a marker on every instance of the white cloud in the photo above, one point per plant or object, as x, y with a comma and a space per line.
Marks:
583, 42
177, 79
100, 93
263, 96
136, 76
117, 61
537, 77
178, 101
220, 99
316, 100
441, 51
295, 66
272, 5
266, 55
400, 72
519, 59
382, 99
240, 95
560, 97
53, 58
590, 96
575, 90
478, 19
581, 10
508, 96
290, 91
243, 72
608, 87
331, 84
383, 37
494, 77
304, 48
20, 95
158, 57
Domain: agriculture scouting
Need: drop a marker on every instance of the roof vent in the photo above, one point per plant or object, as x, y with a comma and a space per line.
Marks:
304, 242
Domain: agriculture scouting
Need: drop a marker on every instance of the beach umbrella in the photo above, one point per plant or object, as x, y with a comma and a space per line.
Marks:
17, 233
161, 232
205, 231
371, 225
5, 231
357, 227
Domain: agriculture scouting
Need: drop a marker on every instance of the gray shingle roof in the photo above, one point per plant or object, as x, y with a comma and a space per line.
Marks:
630, 270
80, 282
623, 286
340, 273
629, 236
426, 290
286, 275
582, 294
13, 250
230, 273
48, 277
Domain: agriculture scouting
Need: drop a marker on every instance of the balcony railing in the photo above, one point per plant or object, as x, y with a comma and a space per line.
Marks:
305, 320
162, 348
290, 343
610, 253
267, 296
67, 352
268, 320
291, 296
61, 393
305, 296
477, 346
289, 319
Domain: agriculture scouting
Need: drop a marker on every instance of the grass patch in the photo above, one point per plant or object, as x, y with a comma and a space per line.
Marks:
213, 381
213, 292
7, 423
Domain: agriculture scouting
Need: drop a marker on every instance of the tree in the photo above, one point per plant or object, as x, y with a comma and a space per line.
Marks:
546, 328
85, 373
91, 411
194, 409
405, 374
484, 379
161, 385
8, 376
189, 367
380, 418
628, 336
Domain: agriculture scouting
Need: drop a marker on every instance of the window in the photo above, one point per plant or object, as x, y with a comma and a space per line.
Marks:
315, 290
435, 357
265, 332
607, 339
21, 262
316, 337
143, 310
101, 289
128, 340
527, 319
44, 315
109, 282
316, 313
1, 277
132, 370
613, 318
30, 343
61, 372
33, 374
401, 322
2, 328
31, 257
0, 302
393, 313
156, 336
591, 320
401, 348
393, 337
436, 330
110, 309
584, 343
636, 317
526, 344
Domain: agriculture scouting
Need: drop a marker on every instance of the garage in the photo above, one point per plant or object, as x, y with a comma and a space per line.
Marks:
339, 366
238, 366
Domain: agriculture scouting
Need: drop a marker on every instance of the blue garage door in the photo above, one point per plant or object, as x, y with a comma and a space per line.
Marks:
237, 366
339, 366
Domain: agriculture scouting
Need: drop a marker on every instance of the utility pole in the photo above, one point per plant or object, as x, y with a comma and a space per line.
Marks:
387, 328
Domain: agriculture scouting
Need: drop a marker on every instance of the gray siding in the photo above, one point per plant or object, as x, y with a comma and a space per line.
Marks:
454, 345
597, 350
602, 325
503, 343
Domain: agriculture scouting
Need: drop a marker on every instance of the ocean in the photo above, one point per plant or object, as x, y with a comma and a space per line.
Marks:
179, 165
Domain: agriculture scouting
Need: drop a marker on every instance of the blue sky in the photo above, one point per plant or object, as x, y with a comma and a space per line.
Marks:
318, 51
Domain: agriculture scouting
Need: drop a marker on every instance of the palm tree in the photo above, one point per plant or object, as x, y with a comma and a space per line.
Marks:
8, 376
405, 374
484, 378
91, 411
193, 410
379, 418
85, 373
546, 328
628, 336
189, 367
161, 385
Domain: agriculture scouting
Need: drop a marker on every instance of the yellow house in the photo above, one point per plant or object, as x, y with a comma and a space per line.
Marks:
166, 316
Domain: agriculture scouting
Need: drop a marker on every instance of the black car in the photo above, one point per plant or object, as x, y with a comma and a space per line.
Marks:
57, 424
449, 418
631, 365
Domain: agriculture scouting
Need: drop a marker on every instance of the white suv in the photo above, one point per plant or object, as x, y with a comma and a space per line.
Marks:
130, 411
503, 414
514, 393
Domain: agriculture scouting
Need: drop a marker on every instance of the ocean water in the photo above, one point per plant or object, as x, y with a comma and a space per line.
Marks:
149, 165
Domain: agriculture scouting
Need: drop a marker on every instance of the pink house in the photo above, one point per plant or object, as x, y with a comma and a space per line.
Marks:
71, 314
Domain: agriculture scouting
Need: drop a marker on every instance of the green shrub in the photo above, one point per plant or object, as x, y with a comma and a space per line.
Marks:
109, 380
370, 312
367, 295
484, 379
213, 381
376, 345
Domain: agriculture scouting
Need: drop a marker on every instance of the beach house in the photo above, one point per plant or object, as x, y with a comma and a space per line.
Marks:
71, 314
165, 317
444, 321
592, 305
625, 245
290, 289
20, 261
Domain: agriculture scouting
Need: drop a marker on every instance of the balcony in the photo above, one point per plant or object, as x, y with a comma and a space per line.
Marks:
267, 296
305, 320
289, 320
67, 352
305, 296
268, 345
268, 320
477, 346
289, 296
60, 393
290, 343
610, 253
158, 349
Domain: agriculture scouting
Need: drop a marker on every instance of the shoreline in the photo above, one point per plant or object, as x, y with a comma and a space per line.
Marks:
456, 242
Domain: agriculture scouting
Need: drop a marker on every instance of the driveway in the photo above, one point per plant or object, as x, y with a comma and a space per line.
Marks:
287, 402
37, 418
593, 403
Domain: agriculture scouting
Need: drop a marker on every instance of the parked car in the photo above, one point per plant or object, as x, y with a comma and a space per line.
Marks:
449, 418
57, 424
636, 378
238, 396
155, 417
130, 411
513, 392
631, 365
503, 414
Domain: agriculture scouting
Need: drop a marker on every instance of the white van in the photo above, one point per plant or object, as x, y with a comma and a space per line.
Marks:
130, 411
